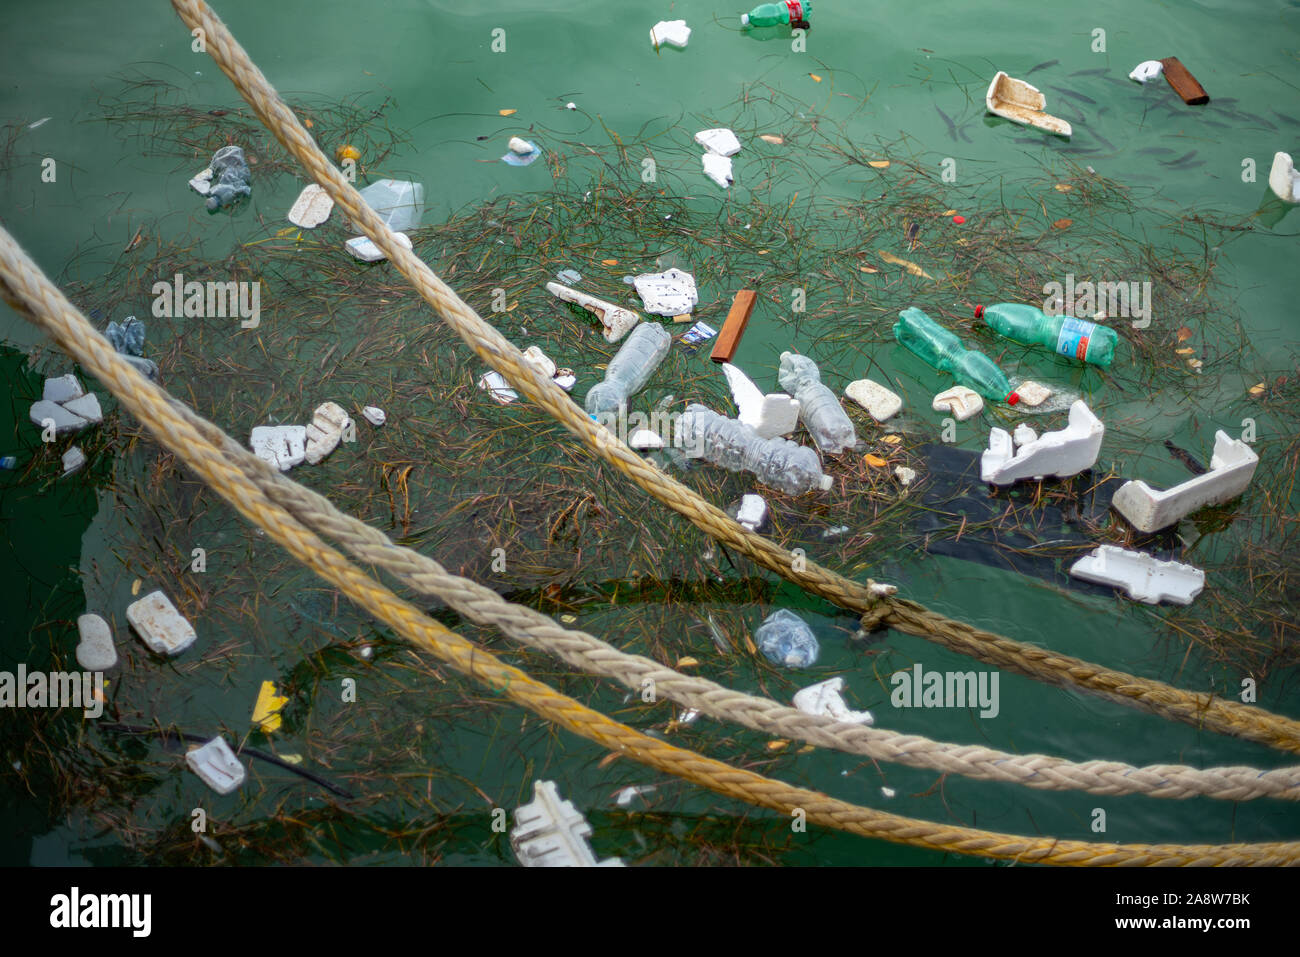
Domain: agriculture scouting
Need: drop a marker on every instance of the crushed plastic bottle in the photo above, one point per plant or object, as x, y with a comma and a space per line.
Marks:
819, 408
630, 368
1064, 335
229, 177
128, 338
943, 350
780, 463
785, 639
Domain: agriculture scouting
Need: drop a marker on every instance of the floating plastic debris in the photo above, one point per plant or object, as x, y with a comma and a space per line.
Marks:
521, 152
718, 169
785, 639
905, 475
879, 401
62, 389
374, 415
1231, 468
668, 293
65, 422
266, 711
540, 361
674, 32
569, 276
400, 204
1020, 102
721, 141
1283, 178
962, 403
1147, 70
752, 512
643, 440
128, 338
1063, 453
312, 207
202, 182
74, 460
700, 332
768, 415
616, 320
283, 446
1033, 394
630, 369
87, 407
1141, 576
550, 832
826, 698
217, 766
495, 384
328, 424
819, 408
162, 628
229, 178
365, 249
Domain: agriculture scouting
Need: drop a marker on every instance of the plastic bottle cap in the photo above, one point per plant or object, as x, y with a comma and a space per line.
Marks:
1013, 398
959, 220
979, 312
744, 19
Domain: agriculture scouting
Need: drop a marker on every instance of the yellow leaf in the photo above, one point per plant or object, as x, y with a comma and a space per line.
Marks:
771, 138
806, 749
290, 758
1185, 352
950, 212
869, 269
815, 77
911, 267
609, 262
891, 439
507, 112
777, 745
1062, 223
686, 662
135, 586
1063, 187
762, 252
1257, 389
568, 619
284, 232
879, 164
513, 306
749, 645
875, 460
266, 712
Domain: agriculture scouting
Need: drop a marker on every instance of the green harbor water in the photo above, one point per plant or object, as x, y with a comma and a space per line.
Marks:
905, 81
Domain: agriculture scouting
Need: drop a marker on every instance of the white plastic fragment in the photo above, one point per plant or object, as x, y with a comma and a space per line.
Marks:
616, 320
1231, 468
880, 402
752, 512
374, 415
961, 402
569, 276
570, 105
675, 32
630, 793
887, 792
644, 439
768, 415
158, 623
565, 379
312, 207
95, 651
550, 832
87, 407
1283, 178
1033, 394
400, 204
364, 248
495, 384
1062, 453
826, 698
905, 475
718, 169
74, 460
216, 765
721, 141
668, 293
64, 421
540, 361
1023, 435
520, 146
62, 389
1147, 70
202, 183
328, 423
284, 446
1141, 576
1022, 102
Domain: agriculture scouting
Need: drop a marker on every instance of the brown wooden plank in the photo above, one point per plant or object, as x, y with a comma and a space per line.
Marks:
1183, 82
729, 338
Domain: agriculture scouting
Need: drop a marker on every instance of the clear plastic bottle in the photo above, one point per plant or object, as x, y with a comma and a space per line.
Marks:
785, 639
780, 463
943, 350
630, 368
819, 408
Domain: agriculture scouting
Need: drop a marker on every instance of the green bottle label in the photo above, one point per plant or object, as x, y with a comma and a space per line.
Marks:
1074, 338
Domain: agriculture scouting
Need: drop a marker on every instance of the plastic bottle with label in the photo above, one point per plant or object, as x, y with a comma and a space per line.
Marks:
1065, 335
775, 14
780, 463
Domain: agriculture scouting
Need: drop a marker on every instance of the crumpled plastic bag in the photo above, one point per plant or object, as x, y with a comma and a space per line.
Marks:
230, 177
128, 338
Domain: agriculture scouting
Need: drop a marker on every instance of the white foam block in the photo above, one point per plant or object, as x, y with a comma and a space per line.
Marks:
675, 32
312, 207
668, 293
718, 169
1141, 576
284, 446
1033, 394
1063, 453
162, 628
962, 403
96, 651
1231, 469
880, 402
768, 415
374, 415
217, 765
62, 389
721, 141
363, 248
752, 512
540, 361
1283, 179
328, 424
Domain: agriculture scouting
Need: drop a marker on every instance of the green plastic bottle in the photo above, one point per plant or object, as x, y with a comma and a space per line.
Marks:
943, 350
1067, 336
775, 14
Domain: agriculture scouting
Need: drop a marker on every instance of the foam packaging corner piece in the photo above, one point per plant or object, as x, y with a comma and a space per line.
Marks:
721, 141
312, 207
879, 401
218, 766
283, 446
962, 403
616, 320
718, 169
675, 32
1141, 576
1283, 179
1147, 70
328, 425
752, 512
1022, 102
768, 415
1231, 468
162, 628
550, 832
826, 698
1063, 453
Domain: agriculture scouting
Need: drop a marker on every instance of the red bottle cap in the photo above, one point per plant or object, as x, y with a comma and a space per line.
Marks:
979, 312
959, 220
1013, 398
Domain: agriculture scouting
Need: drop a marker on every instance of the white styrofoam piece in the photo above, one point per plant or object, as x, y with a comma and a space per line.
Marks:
162, 628
1062, 453
364, 248
217, 765
668, 293
325, 431
312, 207
64, 421
721, 141
374, 415
768, 415
644, 439
62, 389
826, 698
550, 832
1023, 435
880, 402
1033, 394
202, 183
1022, 102
74, 460
905, 475
752, 512
1147, 70
95, 651
520, 147
87, 407
1231, 468
718, 169
495, 385
565, 379
616, 320
675, 32
632, 792
1142, 577
959, 401
284, 446
1283, 178
540, 361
